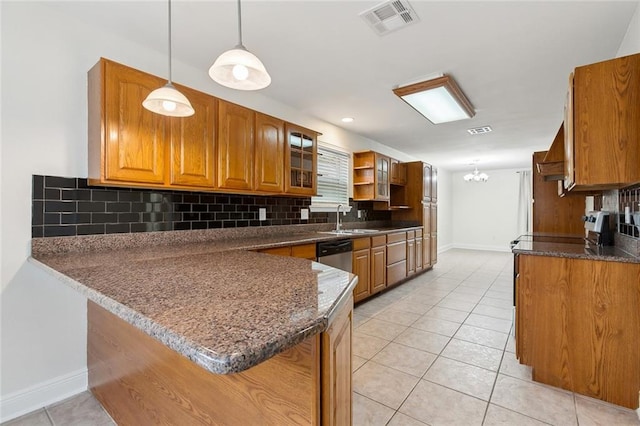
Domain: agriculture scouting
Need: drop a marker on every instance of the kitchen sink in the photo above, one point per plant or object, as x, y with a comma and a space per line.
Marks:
350, 231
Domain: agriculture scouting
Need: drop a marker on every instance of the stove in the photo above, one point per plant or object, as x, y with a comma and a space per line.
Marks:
597, 223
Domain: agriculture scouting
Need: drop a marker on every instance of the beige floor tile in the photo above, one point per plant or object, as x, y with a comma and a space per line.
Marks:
465, 378
412, 306
511, 367
495, 312
593, 412
436, 325
500, 295
400, 419
423, 340
498, 416
490, 323
397, 316
463, 297
457, 305
472, 353
383, 384
498, 303
404, 358
36, 418
478, 291
436, 405
511, 343
447, 314
81, 410
357, 362
482, 336
359, 319
383, 329
540, 402
366, 346
483, 284
369, 413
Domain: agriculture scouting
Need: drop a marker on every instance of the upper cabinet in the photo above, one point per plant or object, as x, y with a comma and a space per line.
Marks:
398, 172
434, 184
126, 142
235, 146
426, 182
370, 176
222, 147
602, 125
269, 154
301, 150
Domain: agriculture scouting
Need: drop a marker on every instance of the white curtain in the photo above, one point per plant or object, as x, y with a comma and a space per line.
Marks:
524, 202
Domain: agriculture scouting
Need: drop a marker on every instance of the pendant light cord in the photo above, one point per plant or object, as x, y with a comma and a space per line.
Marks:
240, 25
170, 42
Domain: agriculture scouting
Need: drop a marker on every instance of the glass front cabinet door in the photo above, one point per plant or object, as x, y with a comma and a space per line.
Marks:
301, 170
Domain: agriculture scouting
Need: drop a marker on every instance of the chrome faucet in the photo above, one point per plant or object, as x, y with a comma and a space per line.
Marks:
338, 218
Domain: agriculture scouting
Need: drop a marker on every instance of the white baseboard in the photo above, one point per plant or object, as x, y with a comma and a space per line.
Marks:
442, 249
43, 394
503, 248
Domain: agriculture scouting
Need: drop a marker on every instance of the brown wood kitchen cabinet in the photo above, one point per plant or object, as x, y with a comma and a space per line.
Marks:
131, 146
398, 172
303, 251
411, 253
301, 150
361, 260
396, 257
578, 325
419, 250
269, 154
378, 263
235, 146
602, 125
370, 176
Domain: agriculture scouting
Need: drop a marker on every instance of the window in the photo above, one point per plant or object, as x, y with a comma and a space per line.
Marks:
333, 179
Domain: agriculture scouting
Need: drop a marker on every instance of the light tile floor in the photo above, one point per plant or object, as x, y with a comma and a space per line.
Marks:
434, 351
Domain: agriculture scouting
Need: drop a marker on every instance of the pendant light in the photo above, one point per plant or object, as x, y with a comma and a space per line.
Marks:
167, 100
238, 68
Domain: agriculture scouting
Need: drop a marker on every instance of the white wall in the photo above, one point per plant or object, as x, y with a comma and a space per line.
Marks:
445, 210
484, 214
45, 58
631, 42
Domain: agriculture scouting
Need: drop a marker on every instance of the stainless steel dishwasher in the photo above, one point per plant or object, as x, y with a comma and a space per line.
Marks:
335, 253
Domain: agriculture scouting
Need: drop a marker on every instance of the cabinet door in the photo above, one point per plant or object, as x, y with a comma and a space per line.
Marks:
433, 215
434, 248
426, 218
134, 137
362, 268
378, 269
411, 257
301, 161
426, 251
419, 254
426, 182
382, 178
398, 172
269, 154
235, 146
336, 369
434, 184
192, 142
569, 159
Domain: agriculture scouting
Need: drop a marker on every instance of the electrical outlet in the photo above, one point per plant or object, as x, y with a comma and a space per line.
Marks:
304, 214
262, 213
359, 214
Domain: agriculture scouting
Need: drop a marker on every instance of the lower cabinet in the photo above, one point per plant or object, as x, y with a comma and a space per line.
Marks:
369, 264
304, 251
378, 263
411, 253
396, 257
419, 251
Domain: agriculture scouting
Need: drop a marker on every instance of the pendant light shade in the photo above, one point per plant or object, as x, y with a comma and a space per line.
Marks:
167, 100
238, 68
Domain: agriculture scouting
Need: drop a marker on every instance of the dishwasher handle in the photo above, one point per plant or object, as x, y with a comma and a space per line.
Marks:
334, 247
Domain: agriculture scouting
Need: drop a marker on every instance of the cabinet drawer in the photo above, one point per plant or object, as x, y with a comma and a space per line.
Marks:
361, 243
378, 241
305, 251
396, 252
398, 236
396, 273
418, 233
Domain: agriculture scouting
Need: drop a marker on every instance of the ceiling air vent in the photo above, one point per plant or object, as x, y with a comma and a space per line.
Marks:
390, 16
480, 130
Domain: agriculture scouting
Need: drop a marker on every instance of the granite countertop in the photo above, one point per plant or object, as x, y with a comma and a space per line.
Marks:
539, 244
209, 298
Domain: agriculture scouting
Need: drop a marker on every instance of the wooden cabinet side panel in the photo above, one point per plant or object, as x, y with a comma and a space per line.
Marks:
419, 254
434, 248
426, 251
135, 137
551, 213
336, 369
605, 321
378, 269
235, 146
193, 142
362, 268
96, 123
411, 257
140, 381
269, 154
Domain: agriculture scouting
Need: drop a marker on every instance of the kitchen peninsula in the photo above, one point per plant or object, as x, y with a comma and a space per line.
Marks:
205, 331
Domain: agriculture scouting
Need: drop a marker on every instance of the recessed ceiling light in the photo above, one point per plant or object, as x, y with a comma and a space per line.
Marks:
480, 130
347, 120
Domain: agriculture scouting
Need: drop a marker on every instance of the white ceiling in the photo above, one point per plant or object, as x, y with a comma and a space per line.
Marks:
512, 59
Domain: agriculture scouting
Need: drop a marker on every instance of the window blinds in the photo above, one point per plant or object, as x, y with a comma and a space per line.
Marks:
333, 179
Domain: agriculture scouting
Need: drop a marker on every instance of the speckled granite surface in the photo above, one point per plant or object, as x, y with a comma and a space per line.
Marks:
570, 247
225, 308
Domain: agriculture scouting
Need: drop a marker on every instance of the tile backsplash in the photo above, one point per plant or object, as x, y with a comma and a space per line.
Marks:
629, 199
68, 206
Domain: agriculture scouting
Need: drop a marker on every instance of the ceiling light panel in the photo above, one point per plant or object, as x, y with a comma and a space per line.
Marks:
390, 16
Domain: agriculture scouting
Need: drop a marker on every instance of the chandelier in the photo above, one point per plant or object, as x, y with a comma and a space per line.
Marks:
476, 176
